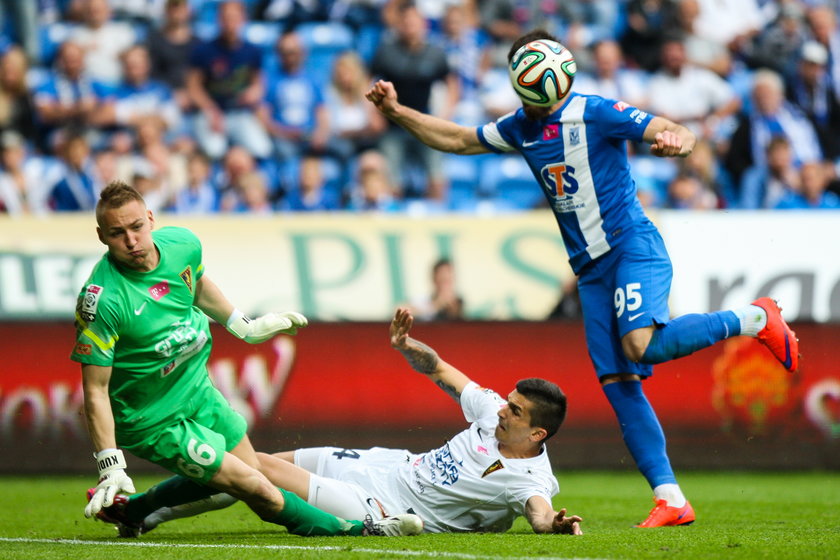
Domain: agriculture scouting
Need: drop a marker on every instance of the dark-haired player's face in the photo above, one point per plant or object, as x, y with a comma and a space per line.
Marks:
514, 420
127, 232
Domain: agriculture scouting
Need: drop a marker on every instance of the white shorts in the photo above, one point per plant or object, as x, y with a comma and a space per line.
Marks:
351, 483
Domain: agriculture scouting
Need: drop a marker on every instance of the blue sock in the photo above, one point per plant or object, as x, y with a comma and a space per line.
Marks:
641, 430
689, 333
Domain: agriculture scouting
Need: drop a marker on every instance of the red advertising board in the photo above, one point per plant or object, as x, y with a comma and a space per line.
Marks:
345, 378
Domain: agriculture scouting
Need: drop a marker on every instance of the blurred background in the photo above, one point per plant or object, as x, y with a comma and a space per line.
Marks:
305, 198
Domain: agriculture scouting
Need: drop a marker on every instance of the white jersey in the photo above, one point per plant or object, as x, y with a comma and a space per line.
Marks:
465, 485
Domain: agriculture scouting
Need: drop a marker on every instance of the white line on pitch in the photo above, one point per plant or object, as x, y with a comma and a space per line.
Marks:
342, 549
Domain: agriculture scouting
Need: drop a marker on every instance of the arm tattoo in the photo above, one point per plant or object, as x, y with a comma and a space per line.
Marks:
449, 389
421, 357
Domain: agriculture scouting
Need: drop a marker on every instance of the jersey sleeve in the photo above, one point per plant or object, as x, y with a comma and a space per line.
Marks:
527, 487
97, 325
617, 119
481, 406
496, 136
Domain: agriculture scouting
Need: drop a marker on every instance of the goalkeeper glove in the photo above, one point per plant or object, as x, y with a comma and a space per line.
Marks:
262, 328
112, 480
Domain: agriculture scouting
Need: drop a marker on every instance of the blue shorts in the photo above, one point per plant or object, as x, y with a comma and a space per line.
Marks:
625, 289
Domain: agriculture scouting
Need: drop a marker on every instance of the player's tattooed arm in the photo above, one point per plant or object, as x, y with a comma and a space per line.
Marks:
423, 358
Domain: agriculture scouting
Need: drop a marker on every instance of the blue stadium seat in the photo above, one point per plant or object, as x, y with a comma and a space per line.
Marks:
463, 177
50, 37
263, 34
509, 180
652, 174
324, 42
367, 40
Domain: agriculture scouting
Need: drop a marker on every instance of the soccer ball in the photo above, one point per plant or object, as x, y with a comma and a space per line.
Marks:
542, 72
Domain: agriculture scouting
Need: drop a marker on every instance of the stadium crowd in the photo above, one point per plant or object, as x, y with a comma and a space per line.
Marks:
258, 105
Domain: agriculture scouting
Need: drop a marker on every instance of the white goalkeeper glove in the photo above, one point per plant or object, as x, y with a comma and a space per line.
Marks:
262, 328
112, 480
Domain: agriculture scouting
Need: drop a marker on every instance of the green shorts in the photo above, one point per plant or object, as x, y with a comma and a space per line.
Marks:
193, 446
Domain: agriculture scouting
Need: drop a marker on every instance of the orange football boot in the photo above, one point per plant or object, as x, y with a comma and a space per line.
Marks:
663, 515
777, 336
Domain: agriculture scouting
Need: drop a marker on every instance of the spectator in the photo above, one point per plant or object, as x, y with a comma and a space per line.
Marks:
373, 190
77, 189
822, 20
105, 168
732, 23
295, 113
704, 165
778, 45
355, 124
811, 90
253, 194
701, 51
568, 306
311, 194
17, 112
697, 98
687, 192
68, 97
102, 41
199, 196
148, 183
21, 182
169, 48
769, 116
138, 97
764, 186
236, 164
647, 24
444, 303
24, 24
468, 57
611, 77
413, 65
170, 166
812, 192
225, 82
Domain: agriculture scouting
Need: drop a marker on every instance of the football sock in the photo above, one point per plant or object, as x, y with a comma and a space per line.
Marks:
173, 491
671, 493
164, 514
752, 318
689, 333
641, 431
303, 519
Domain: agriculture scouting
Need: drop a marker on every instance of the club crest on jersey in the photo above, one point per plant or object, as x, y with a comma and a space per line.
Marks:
620, 106
496, 466
83, 349
90, 301
574, 135
186, 276
159, 290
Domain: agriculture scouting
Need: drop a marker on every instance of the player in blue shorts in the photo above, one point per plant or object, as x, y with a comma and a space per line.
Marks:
576, 151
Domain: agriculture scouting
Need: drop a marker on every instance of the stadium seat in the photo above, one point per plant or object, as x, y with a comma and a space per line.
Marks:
263, 34
324, 42
653, 174
50, 37
508, 179
462, 174
367, 40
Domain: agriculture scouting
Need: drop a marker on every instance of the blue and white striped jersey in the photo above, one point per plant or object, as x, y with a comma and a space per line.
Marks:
579, 157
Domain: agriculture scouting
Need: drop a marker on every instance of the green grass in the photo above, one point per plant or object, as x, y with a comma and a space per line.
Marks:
740, 516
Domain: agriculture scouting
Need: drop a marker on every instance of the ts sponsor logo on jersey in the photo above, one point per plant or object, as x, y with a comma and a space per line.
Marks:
187, 277
559, 179
159, 290
90, 301
620, 106
496, 466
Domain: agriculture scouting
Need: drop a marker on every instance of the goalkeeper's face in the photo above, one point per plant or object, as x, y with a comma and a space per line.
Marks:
127, 232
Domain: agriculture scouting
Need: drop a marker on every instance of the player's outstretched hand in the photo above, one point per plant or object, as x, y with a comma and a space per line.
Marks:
400, 326
383, 95
254, 331
567, 525
112, 480
667, 144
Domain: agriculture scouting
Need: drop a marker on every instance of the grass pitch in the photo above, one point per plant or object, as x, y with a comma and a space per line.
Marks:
740, 516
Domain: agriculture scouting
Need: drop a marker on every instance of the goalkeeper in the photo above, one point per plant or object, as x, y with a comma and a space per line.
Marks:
143, 339
480, 480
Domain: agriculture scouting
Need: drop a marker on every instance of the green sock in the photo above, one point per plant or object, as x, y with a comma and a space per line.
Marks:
305, 520
171, 492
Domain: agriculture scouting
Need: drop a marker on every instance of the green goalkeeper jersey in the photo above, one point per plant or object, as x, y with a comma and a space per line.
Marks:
144, 325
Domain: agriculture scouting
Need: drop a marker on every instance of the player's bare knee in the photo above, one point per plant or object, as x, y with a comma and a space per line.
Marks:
635, 343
